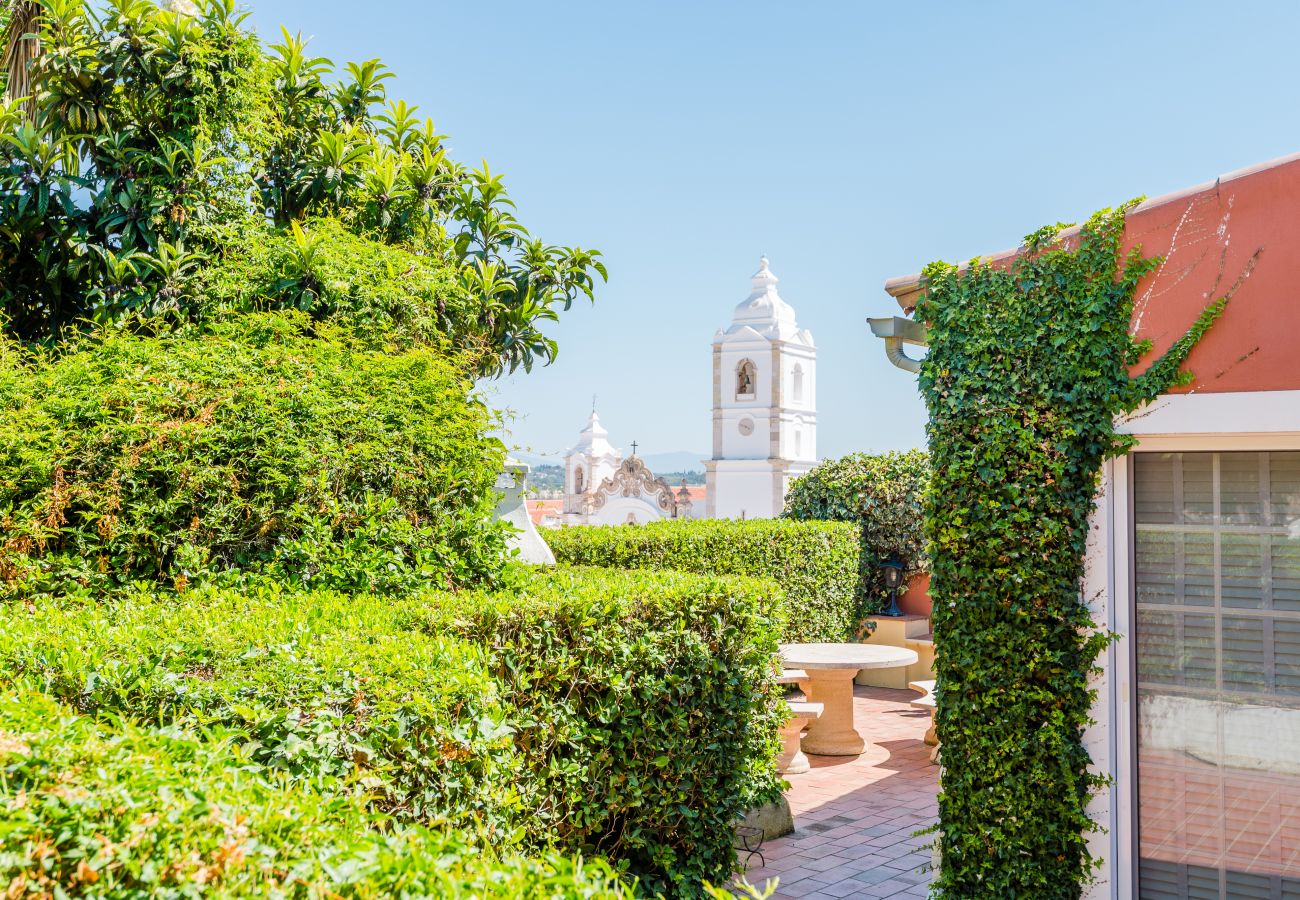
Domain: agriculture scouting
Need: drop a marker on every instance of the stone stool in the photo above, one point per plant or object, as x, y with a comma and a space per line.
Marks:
927, 703
792, 760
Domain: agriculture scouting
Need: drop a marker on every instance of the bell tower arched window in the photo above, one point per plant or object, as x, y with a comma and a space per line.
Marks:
746, 378
798, 383
579, 480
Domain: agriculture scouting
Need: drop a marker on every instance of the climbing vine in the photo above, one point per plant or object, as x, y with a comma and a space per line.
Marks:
1028, 367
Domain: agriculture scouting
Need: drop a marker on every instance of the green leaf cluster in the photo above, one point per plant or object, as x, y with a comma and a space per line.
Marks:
607, 714
814, 563
158, 147
884, 493
1028, 368
100, 806
260, 448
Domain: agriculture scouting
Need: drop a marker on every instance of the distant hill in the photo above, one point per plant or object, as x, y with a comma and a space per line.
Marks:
546, 478
676, 478
674, 461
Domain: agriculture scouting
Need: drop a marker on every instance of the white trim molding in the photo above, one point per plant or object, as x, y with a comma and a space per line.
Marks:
1250, 413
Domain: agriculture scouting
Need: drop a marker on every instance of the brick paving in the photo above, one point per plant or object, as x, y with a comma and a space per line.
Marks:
856, 819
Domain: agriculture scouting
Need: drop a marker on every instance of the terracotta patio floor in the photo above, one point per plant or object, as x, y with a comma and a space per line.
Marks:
855, 819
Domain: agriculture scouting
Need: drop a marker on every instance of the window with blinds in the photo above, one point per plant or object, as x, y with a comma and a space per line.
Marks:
1217, 587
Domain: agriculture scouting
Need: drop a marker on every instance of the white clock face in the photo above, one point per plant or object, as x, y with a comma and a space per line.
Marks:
746, 427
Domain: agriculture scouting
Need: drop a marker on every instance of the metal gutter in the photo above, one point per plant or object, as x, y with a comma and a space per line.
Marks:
896, 332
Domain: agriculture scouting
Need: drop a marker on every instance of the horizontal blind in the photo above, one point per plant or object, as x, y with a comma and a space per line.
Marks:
1216, 572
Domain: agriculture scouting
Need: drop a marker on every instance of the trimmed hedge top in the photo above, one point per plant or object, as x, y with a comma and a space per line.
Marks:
106, 808
644, 707
618, 714
319, 684
815, 563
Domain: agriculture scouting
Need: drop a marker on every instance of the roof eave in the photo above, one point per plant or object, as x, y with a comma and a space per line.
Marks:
907, 289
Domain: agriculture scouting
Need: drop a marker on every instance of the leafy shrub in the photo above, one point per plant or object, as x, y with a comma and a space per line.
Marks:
314, 685
885, 494
379, 292
625, 715
261, 447
645, 716
815, 563
108, 809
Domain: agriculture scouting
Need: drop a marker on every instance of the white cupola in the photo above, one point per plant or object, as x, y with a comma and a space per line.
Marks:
764, 310
588, 462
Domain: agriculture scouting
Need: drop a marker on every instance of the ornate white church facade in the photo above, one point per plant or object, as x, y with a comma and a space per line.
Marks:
764, 405
764, 430
603, 488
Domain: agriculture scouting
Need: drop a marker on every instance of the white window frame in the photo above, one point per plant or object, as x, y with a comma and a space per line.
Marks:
1177, 423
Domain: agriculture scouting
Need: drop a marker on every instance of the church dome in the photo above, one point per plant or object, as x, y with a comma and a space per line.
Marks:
593, 440
764, 310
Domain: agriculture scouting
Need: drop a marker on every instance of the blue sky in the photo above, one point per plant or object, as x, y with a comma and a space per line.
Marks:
850, 142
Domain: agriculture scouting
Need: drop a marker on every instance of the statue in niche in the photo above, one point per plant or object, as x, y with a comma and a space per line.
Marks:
745, 378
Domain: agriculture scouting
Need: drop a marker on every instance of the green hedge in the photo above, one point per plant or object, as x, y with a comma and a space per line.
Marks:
885, 494
644, 707
319, 685
815, 563
613, 714
104, 808
266, 447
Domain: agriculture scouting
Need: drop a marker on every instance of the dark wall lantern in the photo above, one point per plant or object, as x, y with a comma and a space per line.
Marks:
893, 570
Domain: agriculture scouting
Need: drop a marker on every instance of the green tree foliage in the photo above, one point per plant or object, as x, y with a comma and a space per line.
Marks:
814, 563
163, 145
885, 494
263, 447
1027, 370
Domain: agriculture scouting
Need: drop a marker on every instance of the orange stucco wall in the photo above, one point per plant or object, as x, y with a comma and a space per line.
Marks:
1240, 235
915, 601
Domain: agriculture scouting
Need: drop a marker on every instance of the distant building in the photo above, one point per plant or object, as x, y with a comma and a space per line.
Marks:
764, 432
764, 405
603, 488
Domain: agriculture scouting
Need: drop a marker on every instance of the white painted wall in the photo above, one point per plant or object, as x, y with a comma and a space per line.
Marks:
744, 491
617, 509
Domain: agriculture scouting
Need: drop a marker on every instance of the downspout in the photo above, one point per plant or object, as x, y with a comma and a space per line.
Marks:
897, 331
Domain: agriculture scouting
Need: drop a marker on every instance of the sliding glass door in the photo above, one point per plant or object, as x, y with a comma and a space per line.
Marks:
1217, 588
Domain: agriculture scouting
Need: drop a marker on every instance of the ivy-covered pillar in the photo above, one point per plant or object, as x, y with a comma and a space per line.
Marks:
1027, 370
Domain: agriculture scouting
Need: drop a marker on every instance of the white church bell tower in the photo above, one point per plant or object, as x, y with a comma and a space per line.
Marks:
764, 405
588, 463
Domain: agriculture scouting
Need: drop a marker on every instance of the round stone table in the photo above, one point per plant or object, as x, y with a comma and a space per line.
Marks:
831, 668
